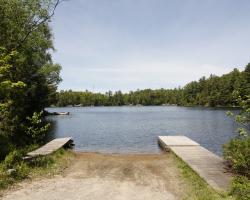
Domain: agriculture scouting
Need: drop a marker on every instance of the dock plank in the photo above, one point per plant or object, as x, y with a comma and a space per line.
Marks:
206, 164
50, 147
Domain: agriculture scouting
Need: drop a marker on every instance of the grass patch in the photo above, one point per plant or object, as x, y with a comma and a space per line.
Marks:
197, 188
45, 166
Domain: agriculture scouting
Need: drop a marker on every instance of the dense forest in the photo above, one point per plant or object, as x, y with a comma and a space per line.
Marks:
213, 91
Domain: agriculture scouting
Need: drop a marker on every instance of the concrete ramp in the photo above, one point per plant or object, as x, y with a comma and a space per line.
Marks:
206, 164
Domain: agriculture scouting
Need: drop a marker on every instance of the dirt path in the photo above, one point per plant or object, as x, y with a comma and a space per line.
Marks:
108, 177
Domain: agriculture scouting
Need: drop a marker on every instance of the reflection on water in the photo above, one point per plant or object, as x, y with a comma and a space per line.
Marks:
52, 129
135, 129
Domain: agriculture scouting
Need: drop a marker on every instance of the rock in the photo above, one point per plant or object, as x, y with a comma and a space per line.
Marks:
11, 171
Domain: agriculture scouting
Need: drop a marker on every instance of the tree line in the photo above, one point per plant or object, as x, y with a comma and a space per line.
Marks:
212, 91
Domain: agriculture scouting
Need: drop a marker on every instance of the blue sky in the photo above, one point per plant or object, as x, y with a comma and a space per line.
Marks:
135, 44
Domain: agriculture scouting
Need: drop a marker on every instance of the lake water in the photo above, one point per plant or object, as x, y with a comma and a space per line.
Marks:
135, 129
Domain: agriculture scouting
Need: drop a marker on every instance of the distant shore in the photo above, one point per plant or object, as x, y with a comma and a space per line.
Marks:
188, 106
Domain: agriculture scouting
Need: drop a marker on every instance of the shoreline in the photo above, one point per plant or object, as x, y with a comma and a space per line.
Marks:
192, 106
119, 153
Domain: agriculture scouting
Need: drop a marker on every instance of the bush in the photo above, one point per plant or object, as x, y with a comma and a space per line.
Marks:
12, 159
241, 188
36, 129
237, 152
22, 171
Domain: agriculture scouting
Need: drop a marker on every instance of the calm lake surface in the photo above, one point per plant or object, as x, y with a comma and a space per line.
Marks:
135, 129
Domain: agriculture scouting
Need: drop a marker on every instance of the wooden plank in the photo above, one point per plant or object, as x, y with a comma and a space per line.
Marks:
51, 147
206, 164
178, 141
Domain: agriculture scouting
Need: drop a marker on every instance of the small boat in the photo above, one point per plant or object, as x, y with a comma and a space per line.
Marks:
63, 113
78, 105
60, 113
46, 113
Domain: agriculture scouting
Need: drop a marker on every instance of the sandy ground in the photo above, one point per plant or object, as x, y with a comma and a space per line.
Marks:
93, 176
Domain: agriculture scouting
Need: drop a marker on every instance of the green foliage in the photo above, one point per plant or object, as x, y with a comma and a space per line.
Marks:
212, 91
241, 188
47, 165
36, 128
21, 172
43, 161
237, 152
12, 159
11, 92
28, 77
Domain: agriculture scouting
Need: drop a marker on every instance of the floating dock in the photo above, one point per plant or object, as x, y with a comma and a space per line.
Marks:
51, 147
206, 164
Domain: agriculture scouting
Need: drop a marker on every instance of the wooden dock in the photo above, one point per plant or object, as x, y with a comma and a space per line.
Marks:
51, 147
206, 164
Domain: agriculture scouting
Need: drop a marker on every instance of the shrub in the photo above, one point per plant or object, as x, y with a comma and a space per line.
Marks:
12, 159
237, 152
36, 128
241, 188
21, 171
